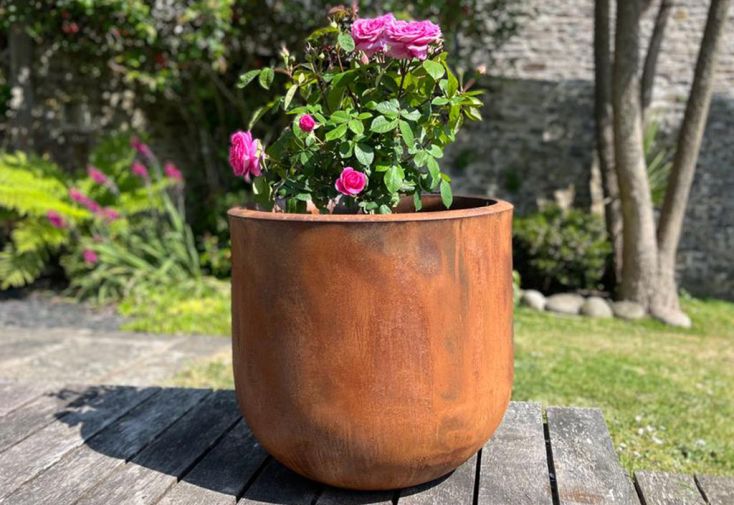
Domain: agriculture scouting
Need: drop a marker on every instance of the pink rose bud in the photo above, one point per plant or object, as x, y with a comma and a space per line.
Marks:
244, 155
110, 214
307, 123
90, 257
172, 172
369, 34
139, 170
55, 219
97, 175
350, 182
410, 39
141, 147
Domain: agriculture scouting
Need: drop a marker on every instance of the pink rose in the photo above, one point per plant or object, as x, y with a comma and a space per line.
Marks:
410, 39
350, 182
139, 170
142, 148
307, 123
369, 34
244, 154
90, 257
55, 219
172, 172
97, 175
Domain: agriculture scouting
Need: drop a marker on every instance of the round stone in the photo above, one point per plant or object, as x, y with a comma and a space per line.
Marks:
533, 299
564, 303
628, 310
595, 306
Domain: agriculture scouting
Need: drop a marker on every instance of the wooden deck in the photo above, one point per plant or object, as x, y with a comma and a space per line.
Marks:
123, 444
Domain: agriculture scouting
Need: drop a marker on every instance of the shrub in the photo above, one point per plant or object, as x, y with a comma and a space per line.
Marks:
118, 228
559, 249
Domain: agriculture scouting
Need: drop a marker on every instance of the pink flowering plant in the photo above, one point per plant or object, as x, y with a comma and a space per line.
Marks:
374, 103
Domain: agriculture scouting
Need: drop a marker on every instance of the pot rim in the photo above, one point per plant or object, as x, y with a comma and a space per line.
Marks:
475, 206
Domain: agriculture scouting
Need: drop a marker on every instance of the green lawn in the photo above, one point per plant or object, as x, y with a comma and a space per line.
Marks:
667, 394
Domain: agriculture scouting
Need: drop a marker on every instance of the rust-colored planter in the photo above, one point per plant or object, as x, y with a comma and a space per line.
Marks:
373, 352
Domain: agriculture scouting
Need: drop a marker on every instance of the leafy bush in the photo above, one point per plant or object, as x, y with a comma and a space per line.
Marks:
115, 230
559, 249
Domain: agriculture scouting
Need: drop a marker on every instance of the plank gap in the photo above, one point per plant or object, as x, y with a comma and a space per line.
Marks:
551, 466
206, 451
700, 490
475, 501
253, 478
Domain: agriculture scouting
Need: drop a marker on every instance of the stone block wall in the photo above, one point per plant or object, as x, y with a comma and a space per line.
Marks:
537, 141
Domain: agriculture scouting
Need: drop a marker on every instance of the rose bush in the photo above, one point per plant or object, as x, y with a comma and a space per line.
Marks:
374, 104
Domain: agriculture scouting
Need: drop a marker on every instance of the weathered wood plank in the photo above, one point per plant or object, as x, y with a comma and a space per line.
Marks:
717, 490
149, 474
456, 488
85, 466
586, 467
277, 484
659, 488
34, 415
98, 408
514, 466
334, 496
223, 474
13, 395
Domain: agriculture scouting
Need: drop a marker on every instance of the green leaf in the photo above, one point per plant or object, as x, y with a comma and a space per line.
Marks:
266, 77
384, 209
346, 149
473, 114
304, 197
434, 69
346, 42
436, 151
434, 171
340, 116
260, 186
413, 115
356, 126
381, 124
394, 178
407, 134
365, 154
446, 196
247, 78
337, 132
390, 108
417, 203
440, 100
453, 85
289, 96
256, 116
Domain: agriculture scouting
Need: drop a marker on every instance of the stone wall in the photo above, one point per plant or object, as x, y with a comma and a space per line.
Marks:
537, 140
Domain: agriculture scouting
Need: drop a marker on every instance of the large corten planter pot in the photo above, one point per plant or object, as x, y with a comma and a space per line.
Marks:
373, 351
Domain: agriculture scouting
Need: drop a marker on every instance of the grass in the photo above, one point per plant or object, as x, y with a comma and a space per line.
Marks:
667, 394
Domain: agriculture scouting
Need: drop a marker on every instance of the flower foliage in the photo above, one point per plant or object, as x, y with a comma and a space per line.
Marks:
374, 103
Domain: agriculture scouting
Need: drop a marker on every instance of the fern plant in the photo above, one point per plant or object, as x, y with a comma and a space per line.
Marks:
29, 188
116, 230
658, 158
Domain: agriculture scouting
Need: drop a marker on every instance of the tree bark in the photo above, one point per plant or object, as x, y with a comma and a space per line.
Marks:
653, 51
20, 46
684, 162
639, 265
605, 133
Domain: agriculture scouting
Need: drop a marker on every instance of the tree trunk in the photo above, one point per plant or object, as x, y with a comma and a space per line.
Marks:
684, 163
639, 265
20, 46
605, 134
653, 51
